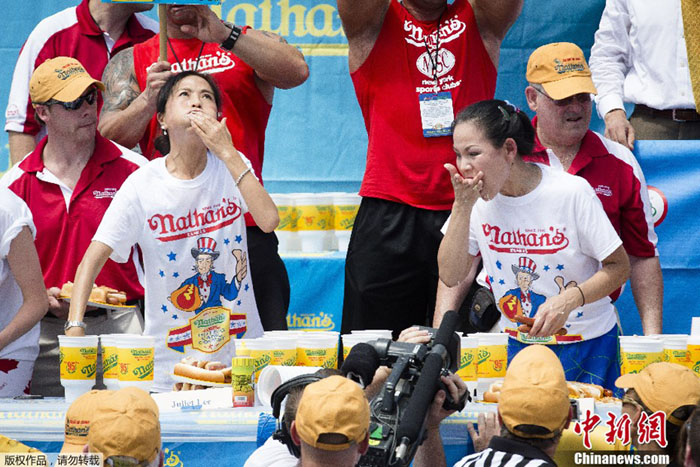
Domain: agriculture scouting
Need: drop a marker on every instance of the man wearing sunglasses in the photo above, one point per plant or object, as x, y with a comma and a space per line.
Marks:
559, 92
68, 182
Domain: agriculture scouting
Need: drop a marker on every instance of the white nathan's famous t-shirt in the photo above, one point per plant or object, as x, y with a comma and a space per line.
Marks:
192, 235
534, 245
14, 216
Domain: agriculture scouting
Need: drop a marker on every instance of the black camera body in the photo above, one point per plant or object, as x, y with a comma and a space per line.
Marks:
397, 413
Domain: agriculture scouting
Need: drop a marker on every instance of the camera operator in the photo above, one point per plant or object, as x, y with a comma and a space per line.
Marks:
533, 410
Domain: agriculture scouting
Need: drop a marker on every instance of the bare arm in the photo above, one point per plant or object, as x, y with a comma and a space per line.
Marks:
275, 62
454, 260
451, 298
494, 19
24, 264
362, 21
90, 266
21, 144
553, 313
648, 291
127, 111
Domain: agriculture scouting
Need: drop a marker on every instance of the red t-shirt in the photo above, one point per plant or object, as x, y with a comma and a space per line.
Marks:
63, 233
243, 104
72, 33
403, 165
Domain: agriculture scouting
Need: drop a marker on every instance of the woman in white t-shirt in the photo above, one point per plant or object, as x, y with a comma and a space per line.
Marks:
551, 254
24, 300
185, 212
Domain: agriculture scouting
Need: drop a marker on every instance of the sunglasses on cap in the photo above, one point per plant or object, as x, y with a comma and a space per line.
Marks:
90, 98
582, 98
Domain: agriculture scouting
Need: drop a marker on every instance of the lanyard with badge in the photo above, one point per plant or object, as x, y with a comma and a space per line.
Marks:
436, 111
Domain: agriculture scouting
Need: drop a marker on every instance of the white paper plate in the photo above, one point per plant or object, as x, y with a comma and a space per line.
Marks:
185, 379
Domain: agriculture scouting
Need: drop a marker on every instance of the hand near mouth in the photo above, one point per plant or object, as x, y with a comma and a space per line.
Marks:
467, 189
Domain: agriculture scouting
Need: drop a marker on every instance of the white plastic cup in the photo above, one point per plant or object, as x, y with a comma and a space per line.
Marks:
284, 352
272, 376
78, 364
110, 360
695, 326
286, 230
350, 340
136, 364
345, 207
492, 359
314, 220
694, 353
383, 333
261, 350
639, 351
317, 350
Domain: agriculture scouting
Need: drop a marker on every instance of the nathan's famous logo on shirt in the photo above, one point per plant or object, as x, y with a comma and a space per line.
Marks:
106, 193
533, 241
449, 31
208, 63
168, 227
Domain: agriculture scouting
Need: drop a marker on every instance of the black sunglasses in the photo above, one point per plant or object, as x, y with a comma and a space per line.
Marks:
90, 98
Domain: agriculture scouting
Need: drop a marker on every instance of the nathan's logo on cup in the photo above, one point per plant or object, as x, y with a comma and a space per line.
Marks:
89, 370
466, 360
78, 362
144, 371
311, 321
109, 363
483, 356
261, 361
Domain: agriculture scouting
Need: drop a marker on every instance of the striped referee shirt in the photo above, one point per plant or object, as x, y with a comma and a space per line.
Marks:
507, 453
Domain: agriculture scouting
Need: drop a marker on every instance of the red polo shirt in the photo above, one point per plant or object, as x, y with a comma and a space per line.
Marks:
64, 231
615, 175
72, 33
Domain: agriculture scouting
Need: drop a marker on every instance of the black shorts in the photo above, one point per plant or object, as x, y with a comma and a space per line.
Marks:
269, 277
391, 270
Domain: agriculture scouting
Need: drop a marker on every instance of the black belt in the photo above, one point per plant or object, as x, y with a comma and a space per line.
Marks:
677, 115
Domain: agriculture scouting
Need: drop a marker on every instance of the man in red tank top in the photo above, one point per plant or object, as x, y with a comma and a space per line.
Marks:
247, 65
414, 64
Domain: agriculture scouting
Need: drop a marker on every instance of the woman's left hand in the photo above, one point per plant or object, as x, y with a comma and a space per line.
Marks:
551, 316
213, 133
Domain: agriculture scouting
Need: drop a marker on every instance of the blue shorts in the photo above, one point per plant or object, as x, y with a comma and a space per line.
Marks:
594, 361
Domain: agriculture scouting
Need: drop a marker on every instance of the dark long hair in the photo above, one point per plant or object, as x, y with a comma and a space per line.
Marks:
162, 142
500, 120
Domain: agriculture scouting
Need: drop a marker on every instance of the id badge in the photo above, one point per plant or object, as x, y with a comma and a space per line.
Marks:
436, 114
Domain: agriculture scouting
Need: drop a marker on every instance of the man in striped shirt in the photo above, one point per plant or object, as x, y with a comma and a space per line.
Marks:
533, 409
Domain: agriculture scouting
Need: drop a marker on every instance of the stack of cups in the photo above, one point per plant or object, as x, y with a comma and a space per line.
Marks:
261, 350
318, 349
345, 206
78, 364
350, 340
491, 359
675, 348
314, 221
639, 351
694, 346
110, 368
135, 360
469, 346
287, 229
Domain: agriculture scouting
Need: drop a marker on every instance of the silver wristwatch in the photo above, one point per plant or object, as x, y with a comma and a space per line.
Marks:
73, 324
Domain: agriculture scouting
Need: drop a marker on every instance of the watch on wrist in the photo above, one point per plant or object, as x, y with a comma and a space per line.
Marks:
73, 324
232, 37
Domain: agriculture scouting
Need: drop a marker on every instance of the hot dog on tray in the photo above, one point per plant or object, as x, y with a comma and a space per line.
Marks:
201, 371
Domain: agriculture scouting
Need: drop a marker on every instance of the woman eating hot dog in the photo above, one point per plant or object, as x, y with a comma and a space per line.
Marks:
551, 255
185, 212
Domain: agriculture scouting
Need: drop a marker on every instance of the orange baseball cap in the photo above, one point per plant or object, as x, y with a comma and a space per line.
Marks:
62, 78
534, 393
79, 417
664, 387
332, 406
561, 69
